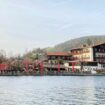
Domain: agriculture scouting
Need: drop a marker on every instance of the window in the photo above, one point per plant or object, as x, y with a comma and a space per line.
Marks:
95, 49
97, 60
96, 55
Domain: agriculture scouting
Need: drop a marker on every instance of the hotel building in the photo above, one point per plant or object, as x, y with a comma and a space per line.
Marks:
58, 57
90, 53
88, 57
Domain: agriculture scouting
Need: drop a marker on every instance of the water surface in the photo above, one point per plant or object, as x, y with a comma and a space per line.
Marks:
52, 90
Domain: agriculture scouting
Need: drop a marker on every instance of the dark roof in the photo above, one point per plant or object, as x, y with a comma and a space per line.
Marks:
98, 44
79, 48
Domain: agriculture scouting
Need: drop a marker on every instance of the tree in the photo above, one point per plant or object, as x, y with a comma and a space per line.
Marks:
2, 56
89, 42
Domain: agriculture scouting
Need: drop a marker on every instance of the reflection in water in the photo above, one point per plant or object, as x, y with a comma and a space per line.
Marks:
74, 90
87, 95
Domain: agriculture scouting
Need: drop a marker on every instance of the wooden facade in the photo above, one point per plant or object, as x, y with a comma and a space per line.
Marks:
82, 54
90, 53
99, 53
58, 57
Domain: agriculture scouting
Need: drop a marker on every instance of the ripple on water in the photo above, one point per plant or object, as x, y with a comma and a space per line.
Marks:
52, 90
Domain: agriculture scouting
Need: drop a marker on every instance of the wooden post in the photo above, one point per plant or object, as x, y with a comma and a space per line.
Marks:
58, 68
73, 69
41, 68
26, 68
0, 67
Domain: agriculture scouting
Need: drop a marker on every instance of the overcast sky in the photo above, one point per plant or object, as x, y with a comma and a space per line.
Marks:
28, 24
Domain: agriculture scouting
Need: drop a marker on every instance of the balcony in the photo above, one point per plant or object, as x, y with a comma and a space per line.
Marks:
48, 65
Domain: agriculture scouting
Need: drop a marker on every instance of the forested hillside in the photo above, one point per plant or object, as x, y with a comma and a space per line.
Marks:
78, 42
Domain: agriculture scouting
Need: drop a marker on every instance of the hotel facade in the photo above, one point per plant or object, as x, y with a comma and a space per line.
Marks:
87, 58
90, 53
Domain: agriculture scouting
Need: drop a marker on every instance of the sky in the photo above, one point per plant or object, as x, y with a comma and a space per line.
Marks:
28, 24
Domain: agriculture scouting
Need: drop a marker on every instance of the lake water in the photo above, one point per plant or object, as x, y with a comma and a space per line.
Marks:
52, 90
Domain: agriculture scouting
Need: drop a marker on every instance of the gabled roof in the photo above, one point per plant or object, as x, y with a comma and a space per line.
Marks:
98, 44
79, 48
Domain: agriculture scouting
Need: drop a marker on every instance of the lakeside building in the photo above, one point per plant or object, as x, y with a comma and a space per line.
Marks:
58, 57
84, 58
90, 53
56, 60
87, 58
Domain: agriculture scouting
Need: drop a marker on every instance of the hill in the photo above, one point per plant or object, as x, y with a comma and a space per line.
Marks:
78, 42
65, 46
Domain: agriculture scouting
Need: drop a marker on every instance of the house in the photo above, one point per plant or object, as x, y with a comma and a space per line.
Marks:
58, 57
90, 53
91, 57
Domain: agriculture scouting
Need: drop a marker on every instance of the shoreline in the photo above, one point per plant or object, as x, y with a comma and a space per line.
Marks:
52, 75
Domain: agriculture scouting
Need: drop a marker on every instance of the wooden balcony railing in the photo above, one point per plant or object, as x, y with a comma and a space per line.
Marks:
47, 65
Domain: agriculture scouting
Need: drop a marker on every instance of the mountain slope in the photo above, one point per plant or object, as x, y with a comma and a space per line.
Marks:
78, 42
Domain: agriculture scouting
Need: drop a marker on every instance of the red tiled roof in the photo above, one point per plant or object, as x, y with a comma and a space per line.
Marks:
58, 53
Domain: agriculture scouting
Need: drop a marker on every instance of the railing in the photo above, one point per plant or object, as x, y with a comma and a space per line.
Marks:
53, 66
81, 52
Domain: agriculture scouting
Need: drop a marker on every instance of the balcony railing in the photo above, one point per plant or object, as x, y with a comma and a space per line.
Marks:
47, 65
